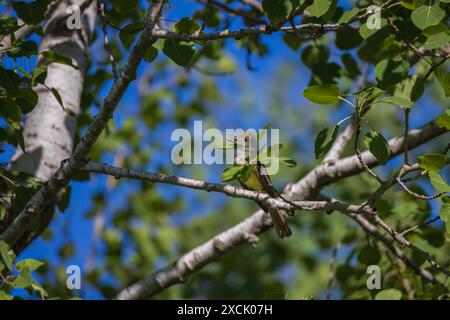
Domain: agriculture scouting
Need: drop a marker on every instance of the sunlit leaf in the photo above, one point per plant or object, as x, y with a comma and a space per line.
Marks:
322, 93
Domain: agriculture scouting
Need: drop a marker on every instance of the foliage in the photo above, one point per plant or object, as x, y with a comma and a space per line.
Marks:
373, 75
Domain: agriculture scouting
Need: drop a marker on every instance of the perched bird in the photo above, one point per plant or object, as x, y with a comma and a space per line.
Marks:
258, 180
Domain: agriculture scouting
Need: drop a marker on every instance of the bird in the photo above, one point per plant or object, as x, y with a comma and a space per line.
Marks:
257, 179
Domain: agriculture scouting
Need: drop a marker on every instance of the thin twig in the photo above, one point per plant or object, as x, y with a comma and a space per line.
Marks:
420, 225
205, 20
399, 33
101, 13
415, 194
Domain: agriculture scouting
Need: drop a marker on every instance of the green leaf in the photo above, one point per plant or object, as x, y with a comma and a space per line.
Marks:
417, 88
443, 120
322, 93
5, 296
4, 254
179, 52
21, 48
324, 141
225, 65
128, 33
27, 99
432, 162
350, 64
436, 29
29, 264
426, 16
314, 55
187, 25
292, 40
288, 161
150, 54
390, 72
23, 280
444, 80
53, 56
17, 134
10, 110
438, 182
125, 6
232, 173
39, 75
397, 101
408, 4
8, 25
437, 40
444, 214
348, 15
377, 145
277, 10
58, 98
319, 7
37, 287
369, 93
406, 208
369, 255
389, 294
31, 12
9, 80
329, 15
347, 38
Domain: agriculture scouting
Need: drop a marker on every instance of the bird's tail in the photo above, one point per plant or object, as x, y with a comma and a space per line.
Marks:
279, 223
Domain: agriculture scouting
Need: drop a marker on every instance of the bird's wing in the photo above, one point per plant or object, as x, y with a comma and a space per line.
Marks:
263, 177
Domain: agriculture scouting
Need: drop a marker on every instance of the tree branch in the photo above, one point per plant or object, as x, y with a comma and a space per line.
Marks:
373, 231
249, 229
235, 192
327, 173
101, 13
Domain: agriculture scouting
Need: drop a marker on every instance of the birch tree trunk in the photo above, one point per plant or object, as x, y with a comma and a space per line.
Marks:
49, 130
